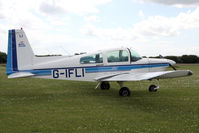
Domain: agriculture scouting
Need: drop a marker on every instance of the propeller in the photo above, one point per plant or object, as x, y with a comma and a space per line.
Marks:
172, 67
161, 57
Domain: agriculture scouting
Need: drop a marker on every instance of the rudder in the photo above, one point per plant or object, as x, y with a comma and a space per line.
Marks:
20, 55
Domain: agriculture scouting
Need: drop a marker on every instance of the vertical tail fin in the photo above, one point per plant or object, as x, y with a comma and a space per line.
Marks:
20, 54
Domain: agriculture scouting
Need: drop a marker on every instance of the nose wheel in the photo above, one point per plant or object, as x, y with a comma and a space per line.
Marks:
154, 88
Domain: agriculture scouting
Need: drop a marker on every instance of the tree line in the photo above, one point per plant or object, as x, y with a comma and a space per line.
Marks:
181, 59
3, 57
177, 59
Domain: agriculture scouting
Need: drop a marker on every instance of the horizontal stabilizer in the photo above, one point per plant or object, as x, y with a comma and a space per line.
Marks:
20, 75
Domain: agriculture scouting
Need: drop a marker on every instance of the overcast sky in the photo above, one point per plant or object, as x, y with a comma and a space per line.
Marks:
151, 27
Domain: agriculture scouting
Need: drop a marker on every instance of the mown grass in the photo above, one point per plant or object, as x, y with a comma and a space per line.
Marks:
30, 105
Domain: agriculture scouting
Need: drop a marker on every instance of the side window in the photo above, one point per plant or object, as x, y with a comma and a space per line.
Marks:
97, 58
118, 56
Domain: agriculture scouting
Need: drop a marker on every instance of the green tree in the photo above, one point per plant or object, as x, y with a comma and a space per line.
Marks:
190, 59
177, 59
3, 57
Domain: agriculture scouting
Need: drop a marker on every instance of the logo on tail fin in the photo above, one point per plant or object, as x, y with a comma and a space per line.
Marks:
21, 44
20, 35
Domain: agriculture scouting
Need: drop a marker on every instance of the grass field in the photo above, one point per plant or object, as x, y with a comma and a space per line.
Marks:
53, 106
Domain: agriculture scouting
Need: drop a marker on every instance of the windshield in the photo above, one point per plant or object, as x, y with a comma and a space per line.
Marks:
135, 56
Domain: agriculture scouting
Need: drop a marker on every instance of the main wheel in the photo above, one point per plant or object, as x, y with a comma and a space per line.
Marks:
105, 85
124, 91
153, 88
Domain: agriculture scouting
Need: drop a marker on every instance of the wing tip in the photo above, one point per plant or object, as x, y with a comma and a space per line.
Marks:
190, 73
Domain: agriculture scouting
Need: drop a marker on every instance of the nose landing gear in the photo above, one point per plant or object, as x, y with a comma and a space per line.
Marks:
154, 88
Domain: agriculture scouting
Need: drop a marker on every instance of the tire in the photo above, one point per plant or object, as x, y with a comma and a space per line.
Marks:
124, 91
105, 86
153, 88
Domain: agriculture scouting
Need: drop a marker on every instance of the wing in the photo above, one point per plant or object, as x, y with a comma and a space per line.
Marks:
145, 76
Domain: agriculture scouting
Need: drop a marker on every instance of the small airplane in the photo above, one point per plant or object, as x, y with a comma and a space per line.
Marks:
119, 65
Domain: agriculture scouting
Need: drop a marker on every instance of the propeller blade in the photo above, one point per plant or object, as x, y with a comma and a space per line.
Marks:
172, 67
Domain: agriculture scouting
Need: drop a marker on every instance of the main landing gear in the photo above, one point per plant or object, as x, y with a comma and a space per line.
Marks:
105, 85
124, 91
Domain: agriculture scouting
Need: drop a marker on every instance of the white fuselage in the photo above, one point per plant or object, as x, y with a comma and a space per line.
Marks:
71, 68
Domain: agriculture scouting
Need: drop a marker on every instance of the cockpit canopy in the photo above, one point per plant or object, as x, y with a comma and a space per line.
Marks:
111, 56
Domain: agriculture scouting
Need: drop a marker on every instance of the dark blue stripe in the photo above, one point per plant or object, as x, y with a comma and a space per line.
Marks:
103, 66
14, 52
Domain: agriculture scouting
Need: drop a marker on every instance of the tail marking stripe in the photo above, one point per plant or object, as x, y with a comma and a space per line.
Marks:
14, 52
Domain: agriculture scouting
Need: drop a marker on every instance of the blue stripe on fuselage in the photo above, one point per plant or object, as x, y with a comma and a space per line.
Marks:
95, 69
123, 68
